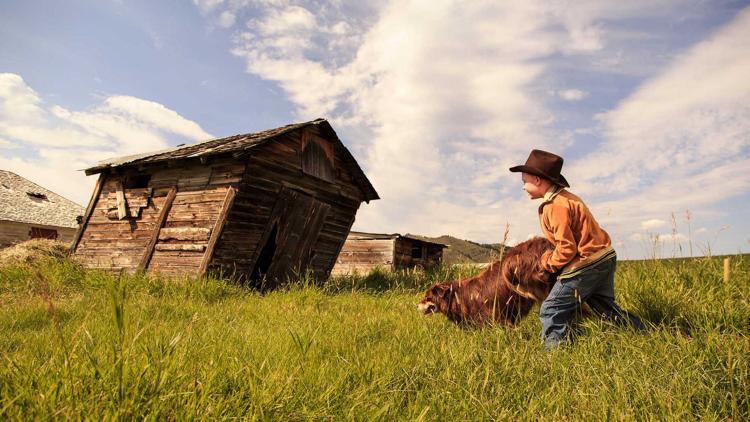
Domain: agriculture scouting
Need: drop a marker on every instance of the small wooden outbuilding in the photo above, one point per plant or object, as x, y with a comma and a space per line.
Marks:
29, 211
364, 252
260, 207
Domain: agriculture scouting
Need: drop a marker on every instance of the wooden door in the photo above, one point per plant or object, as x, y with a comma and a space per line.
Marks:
285, 250
41, 233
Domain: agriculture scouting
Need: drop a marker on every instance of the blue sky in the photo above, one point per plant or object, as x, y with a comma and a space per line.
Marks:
648, 101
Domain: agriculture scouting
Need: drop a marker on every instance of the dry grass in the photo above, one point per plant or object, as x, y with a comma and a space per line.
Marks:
32, 251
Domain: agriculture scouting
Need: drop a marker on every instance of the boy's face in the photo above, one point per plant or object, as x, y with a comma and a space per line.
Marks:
534, 186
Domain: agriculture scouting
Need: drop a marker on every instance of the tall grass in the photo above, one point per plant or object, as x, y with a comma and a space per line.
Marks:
82, 344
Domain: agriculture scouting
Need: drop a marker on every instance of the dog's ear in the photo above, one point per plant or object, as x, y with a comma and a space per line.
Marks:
508, 271
442, 290
514, 281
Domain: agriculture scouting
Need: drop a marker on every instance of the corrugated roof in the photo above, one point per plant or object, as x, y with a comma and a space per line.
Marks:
238, 143
382, 236
24, 201
372, 236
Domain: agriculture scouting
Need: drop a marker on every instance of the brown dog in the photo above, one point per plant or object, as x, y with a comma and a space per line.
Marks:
504, 292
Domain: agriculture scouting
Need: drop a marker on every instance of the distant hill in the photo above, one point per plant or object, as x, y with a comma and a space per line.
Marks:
461, 251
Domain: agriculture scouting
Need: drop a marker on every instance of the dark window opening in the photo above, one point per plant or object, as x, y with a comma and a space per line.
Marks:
40, 233
316, 162
37, 195
416, 251
139, 181
264, 261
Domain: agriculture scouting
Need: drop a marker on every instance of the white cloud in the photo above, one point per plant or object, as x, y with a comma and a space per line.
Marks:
7, 144
670, 194
676, 237
153, 114
282, 22
227, 19
692, 117
207, 5
680, 141
429, 103
660, 237
652, 223
54, 143
18, 102
572, 94
444, 97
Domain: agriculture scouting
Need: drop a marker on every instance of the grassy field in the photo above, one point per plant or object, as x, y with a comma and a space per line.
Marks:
79, 344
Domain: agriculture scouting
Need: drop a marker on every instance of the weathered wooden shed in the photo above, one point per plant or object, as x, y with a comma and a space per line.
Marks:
363, 252
29, 211
257, 207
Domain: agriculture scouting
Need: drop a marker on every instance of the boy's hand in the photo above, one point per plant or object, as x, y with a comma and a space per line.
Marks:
548, 275
544, 259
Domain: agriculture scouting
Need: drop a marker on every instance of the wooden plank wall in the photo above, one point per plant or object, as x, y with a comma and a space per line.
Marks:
113, 244
363, 256
402, 257
332, 237
12, 232
201, 192
269, 169
431, 254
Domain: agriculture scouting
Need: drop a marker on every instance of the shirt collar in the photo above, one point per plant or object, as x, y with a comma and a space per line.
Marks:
552, 192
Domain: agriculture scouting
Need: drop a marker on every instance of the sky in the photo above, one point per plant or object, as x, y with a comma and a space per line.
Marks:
647, 101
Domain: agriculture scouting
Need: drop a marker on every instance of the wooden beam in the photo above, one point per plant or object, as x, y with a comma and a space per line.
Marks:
216, 232
180, 247
159, 224
122, 210
89, 211
185, 233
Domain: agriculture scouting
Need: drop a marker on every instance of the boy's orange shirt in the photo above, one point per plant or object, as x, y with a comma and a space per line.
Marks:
579, 241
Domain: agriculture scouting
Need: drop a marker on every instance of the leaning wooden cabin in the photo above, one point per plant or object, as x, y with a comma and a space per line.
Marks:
261, 206
363, 252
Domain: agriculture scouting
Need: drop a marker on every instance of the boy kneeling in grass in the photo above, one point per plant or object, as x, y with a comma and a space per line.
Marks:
583, 259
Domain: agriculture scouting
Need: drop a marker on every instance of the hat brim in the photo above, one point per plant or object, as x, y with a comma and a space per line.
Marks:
536, 172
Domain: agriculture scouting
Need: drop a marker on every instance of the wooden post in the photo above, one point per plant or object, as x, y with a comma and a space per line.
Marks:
122, 210
159, 224
216, 232
89, 211
726, 270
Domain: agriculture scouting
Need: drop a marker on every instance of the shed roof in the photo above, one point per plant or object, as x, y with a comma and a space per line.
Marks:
385, 236
238, 144
24, 201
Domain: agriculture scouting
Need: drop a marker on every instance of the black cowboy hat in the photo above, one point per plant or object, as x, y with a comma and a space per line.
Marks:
543, 164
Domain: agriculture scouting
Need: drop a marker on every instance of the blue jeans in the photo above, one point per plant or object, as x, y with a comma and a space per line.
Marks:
596, 287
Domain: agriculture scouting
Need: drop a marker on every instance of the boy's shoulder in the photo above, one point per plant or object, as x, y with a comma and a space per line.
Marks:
569, 196
560, 198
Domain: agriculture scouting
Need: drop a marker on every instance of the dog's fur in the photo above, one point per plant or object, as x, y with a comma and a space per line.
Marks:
504, 292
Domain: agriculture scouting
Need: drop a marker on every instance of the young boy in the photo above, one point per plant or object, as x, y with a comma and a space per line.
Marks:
583, 259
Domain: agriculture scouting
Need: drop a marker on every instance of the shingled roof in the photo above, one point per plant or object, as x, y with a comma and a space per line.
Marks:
239, 144
24, 201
